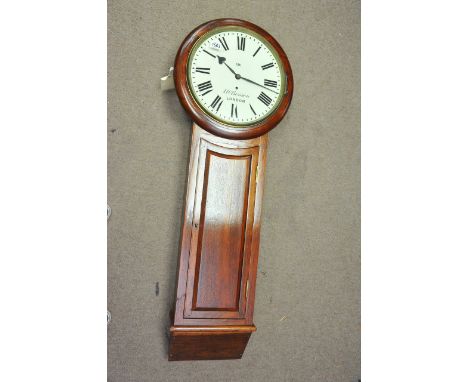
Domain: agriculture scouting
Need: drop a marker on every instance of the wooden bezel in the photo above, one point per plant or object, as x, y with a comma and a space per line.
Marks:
196, 112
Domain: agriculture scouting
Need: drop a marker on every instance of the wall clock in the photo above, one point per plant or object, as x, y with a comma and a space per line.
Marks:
235, 81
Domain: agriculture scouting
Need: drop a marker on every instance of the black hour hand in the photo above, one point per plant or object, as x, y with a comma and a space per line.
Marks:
222, 60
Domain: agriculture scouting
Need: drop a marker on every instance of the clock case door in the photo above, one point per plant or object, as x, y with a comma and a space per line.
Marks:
213, 312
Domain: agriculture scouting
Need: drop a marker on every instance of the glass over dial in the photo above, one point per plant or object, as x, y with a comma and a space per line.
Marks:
235, 76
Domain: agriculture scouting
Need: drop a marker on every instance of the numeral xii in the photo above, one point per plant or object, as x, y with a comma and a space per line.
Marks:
240, 43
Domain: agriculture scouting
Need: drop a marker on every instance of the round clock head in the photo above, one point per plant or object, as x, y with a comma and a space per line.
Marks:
233, 78
235, 75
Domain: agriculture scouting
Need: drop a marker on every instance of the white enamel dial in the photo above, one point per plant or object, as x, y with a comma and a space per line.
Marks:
235, 76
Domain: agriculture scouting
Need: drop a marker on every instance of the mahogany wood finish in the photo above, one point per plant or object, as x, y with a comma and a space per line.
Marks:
198, 115
219, 247
201, 343
213, 309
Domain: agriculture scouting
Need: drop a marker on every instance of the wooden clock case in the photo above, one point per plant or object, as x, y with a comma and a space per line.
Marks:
212, 316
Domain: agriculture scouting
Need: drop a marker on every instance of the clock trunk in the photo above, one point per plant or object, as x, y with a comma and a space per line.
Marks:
213, 311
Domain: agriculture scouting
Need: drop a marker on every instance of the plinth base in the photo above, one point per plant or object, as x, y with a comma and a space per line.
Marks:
208, 343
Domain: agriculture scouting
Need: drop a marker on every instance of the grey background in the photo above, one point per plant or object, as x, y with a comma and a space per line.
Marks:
308, 291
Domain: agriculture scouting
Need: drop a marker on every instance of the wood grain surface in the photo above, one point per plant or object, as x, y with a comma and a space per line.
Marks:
220, 235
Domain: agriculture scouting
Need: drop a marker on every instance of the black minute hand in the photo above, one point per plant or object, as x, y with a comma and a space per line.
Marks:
255, 83
222, 60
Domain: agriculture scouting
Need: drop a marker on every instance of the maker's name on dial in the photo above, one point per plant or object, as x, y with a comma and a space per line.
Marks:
233, 93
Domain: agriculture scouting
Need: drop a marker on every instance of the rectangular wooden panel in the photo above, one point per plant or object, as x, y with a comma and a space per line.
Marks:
219, 257
220, 234
220, 250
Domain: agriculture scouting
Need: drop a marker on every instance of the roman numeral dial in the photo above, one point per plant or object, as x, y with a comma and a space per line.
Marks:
235, 76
